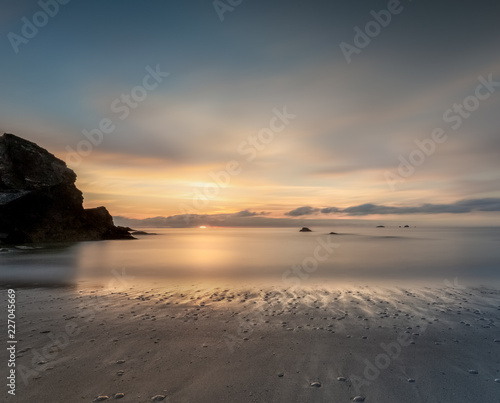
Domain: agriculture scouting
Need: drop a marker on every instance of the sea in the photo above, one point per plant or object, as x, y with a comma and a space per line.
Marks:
438, 256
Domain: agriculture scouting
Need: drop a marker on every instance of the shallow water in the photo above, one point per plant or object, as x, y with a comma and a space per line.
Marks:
449, 256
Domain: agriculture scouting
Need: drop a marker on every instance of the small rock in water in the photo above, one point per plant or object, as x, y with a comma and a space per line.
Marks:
358, 399
100, 398
411, 380
473, 371
341, 379
315, 384
158, 398
118, 395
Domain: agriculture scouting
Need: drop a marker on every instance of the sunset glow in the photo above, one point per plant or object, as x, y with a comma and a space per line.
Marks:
219, 134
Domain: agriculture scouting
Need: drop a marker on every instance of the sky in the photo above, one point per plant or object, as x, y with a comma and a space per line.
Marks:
263, 110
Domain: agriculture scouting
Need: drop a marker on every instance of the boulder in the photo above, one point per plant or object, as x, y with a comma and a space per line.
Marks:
39, 201
305, 229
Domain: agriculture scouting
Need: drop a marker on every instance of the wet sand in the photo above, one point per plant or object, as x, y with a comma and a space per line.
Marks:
257, 344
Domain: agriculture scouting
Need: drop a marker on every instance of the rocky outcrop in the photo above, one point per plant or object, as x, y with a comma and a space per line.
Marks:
39, 201
305, 229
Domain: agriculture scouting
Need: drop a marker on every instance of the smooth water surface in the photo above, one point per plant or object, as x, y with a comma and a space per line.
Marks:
274, 254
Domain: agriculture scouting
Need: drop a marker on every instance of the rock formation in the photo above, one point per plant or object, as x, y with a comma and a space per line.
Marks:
39, 201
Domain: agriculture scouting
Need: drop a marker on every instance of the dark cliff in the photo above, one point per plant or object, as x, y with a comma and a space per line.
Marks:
39, 201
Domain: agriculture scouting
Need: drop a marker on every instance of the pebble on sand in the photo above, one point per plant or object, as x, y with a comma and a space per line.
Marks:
473, 371
497, 380
119, 395
411, 380
341, 379
358, 399
158, 398
315, 384
100, 398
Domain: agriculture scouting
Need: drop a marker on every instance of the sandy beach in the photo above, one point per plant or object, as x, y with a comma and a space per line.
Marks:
237, 201
193, 343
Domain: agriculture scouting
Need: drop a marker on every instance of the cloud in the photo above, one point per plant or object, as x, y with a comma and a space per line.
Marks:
459, 207
247, 218
306, 210
248, 213
329, 210
240, 218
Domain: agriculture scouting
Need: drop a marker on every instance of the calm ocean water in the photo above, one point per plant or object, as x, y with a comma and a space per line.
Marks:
282, 255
